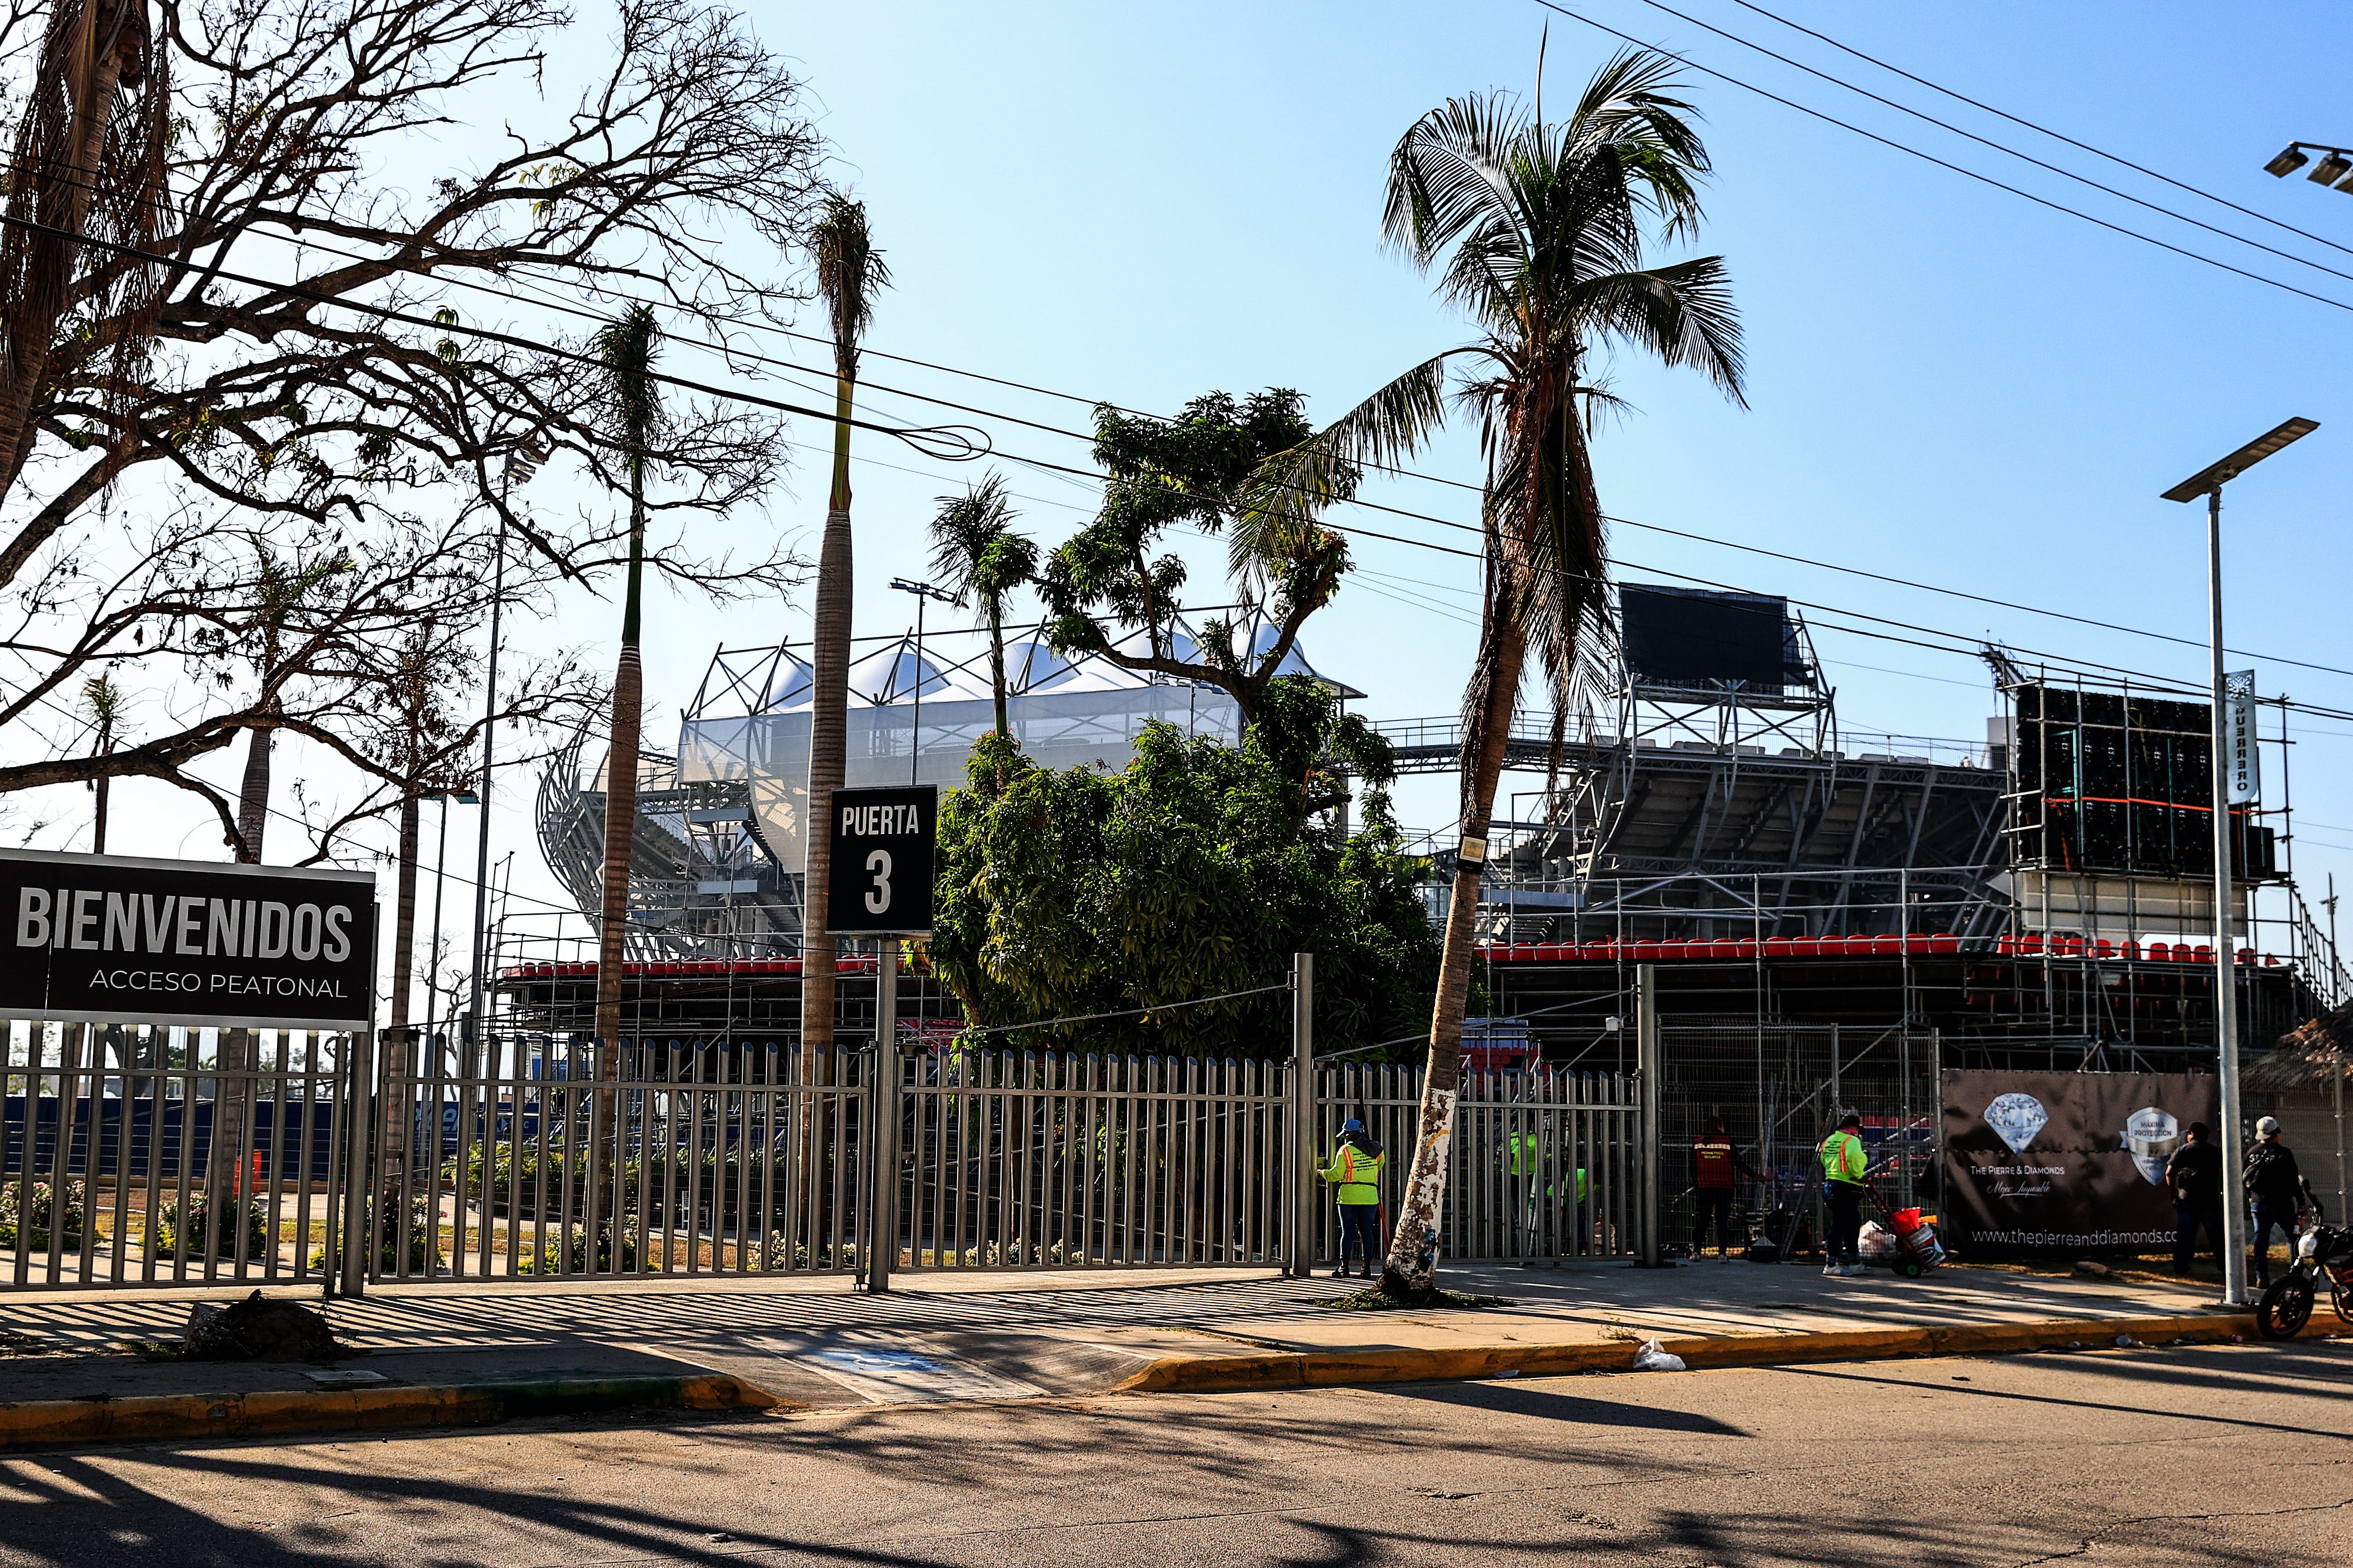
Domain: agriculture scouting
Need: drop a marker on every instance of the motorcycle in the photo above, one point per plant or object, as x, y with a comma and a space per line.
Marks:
2324, 1254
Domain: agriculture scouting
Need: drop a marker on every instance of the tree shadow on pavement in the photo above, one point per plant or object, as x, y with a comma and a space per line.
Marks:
1546, 1403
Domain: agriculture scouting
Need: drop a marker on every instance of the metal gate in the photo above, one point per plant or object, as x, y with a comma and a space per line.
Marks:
1542, 1164
151, 1154
505, 1158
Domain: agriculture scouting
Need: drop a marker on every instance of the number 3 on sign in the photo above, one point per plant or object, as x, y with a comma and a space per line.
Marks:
877, 897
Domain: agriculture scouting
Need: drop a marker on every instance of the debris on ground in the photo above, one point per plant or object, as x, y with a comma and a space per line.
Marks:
1655, 1357
1379, 1300
258, 1329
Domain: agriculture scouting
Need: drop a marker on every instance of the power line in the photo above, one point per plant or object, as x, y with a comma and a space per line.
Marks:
2045, 130
1996, 146
725, 348
516, 340
1944, 164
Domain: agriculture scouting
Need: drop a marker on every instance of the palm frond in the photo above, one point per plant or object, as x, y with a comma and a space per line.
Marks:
1287, 492
1448, 175
627, 347
850, 273
1683, 313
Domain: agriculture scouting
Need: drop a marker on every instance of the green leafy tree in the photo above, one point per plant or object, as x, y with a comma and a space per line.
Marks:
1197, 870
1542, 230
1107, 581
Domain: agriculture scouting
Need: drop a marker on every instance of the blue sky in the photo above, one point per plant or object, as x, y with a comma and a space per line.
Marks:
1947, 383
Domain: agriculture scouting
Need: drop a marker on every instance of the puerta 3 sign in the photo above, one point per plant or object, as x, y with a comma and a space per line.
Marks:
883, 844
108, 939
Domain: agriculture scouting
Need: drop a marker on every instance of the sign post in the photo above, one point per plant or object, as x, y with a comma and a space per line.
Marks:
884, 843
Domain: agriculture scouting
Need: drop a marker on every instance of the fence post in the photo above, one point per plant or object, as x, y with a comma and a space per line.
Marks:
879, 1235
1301, 1163
1647, 1063
359, 1110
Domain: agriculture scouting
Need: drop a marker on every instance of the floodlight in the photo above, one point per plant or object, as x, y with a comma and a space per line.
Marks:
2208, 481
2330, 170
2287, 162
2346, 185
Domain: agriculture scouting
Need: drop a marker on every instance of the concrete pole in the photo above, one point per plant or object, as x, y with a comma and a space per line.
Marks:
1301, 1166
1648, 1062
882, 1242
2226, 1008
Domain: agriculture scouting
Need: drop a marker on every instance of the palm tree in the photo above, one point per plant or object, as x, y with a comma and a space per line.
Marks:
102, 699
1542, 229
975, 552
626, 348
850, 273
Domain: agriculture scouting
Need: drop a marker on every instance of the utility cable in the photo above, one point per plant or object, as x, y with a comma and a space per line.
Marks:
1944, 164
2045, 130
1996, 146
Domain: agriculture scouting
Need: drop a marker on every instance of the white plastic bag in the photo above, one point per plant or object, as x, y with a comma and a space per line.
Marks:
1653, 1357
1877, 1244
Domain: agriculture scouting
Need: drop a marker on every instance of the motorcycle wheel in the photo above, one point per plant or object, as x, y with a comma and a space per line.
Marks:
2286, 1303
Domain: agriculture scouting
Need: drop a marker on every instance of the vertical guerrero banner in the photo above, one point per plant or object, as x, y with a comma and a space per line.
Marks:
108, 939
2065, 1162
2242, 765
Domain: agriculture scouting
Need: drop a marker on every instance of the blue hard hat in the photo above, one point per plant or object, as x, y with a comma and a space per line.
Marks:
1352, 1125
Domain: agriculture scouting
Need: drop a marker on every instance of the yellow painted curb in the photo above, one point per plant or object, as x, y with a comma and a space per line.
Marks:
1303, 1369
46, 1422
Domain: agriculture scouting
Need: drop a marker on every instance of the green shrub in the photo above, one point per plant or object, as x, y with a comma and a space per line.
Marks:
569, 1252
425, 1254
76, 1208
197, 1206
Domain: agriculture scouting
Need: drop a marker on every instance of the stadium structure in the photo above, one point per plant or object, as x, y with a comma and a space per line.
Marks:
1705, 811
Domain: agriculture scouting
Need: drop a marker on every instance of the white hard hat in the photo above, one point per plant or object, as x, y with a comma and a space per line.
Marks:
2268, 1126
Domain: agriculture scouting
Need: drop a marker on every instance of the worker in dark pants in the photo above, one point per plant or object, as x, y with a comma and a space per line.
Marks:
2275, 1192
1716, 1170
1354, 1174
2195, 1174
1844, 1164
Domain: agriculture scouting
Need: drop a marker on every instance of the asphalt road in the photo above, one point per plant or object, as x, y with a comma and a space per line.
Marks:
2153, 1458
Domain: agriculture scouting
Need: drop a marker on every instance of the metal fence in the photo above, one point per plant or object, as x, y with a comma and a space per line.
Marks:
158, 1155
1023, 1161
153, 1155
505, 1158
1542, 1164
1778, 1090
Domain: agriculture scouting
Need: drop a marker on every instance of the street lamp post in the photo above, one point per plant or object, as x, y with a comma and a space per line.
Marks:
520, 466
923, 593
2209, 483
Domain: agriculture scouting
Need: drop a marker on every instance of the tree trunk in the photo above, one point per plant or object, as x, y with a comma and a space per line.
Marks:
997, 663
91, 67
1412, 1263
403, 917
612, 925
253, 795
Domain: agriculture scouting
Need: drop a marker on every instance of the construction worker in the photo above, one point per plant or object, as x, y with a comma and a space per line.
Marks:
1527, 1157
1355, 1174
1716, 1170
1843, 1163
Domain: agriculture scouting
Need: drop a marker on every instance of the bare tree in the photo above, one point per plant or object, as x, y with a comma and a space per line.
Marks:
214, 299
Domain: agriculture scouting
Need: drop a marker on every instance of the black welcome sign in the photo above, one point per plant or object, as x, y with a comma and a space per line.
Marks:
113, 939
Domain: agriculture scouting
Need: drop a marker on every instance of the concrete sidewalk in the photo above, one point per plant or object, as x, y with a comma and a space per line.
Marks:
755, 1343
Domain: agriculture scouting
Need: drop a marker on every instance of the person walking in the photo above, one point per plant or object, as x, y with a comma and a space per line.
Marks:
1843, 1163
1355, 1174
2275, 1192
1716, 1171
1528, 1161
2195, 1174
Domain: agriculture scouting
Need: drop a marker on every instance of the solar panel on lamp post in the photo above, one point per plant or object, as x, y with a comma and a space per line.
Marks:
2209, 482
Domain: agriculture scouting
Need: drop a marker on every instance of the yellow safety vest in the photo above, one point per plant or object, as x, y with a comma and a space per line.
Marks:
1842, 1158
1358, 1174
